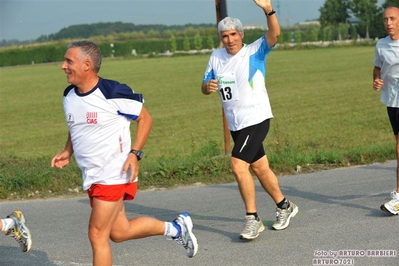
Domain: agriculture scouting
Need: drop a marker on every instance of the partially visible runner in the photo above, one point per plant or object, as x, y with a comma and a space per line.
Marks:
237, 73
98, 112
386, 80
14, 226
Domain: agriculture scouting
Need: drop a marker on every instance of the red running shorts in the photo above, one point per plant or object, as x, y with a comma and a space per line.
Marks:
112, 192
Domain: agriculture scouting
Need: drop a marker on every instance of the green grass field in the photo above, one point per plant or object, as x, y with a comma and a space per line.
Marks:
326, 115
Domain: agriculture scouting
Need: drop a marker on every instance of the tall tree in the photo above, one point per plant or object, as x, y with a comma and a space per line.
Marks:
389, 3
173, 44
210, 42
366, 11
334, 12
198, 42
186, 44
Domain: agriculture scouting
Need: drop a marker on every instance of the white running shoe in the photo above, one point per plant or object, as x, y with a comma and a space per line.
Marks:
186, 238
252, 228
283, 216
20, 232
392, 206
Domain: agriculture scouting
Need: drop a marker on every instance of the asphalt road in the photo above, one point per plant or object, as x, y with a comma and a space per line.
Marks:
339, 221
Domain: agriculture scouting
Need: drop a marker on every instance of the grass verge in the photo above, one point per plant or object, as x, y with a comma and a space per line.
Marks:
325, 115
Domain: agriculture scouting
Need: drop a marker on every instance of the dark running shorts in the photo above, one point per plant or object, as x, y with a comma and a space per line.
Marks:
248, 142
393, 114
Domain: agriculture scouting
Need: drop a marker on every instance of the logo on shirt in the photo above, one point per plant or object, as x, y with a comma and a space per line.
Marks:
91, 117
226, 82
70, 119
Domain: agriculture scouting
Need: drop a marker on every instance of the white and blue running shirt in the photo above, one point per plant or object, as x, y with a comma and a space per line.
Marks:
241, 83
99, 124
387, 58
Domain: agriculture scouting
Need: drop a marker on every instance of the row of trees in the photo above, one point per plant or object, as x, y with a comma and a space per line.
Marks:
207, 37
334, 15
54, 51
119, 31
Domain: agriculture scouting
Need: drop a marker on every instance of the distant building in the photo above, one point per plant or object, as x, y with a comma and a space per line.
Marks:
253, 27
310, 22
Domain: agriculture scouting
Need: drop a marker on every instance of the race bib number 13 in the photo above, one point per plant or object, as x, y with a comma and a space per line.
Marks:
227, 87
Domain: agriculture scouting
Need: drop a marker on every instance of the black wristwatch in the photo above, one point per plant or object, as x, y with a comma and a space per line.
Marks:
270, 13
138, 153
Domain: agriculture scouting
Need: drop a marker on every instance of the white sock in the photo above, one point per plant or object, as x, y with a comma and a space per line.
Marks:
7, 224
171, 230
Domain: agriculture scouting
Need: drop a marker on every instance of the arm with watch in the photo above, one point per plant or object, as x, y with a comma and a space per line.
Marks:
138, 153
273, 32
144, 124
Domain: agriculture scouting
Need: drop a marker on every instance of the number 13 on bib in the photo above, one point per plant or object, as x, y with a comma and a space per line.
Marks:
227, 87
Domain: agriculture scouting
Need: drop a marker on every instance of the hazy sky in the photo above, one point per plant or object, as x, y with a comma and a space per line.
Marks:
29, 19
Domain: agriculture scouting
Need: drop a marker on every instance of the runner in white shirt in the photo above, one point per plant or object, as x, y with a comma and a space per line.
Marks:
100, 133
237, 73
98, 113
386, 80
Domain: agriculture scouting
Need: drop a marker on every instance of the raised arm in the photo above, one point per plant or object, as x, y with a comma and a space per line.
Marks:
273, 32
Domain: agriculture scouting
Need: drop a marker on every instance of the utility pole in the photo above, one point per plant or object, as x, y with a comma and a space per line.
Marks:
221, 10
221, 13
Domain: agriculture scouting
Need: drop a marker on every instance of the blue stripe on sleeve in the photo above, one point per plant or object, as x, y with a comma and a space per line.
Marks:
209, 76
112, 89
130, 116
257, 60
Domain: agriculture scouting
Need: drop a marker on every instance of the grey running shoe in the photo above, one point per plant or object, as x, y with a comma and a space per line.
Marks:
392, 206
252, 228
186, 237
20, 232
284, 216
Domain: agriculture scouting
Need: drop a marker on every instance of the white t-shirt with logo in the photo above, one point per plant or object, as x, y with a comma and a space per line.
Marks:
99, 124
241, 83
